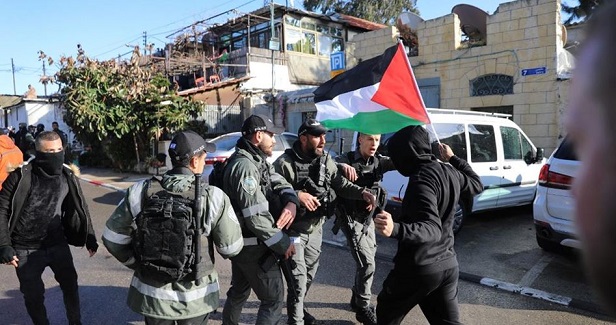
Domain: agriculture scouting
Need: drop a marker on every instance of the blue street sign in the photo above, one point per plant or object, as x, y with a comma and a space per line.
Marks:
336, 61
534, 71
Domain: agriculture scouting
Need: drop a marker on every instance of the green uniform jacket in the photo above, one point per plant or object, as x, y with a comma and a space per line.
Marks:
182, 299
285, 166
242, 179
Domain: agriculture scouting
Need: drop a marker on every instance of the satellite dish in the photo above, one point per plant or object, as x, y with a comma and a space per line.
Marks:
472, 21
410, 19
563, 34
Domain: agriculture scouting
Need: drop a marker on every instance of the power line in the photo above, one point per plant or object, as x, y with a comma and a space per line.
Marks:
212, 17
173, 31
119, 47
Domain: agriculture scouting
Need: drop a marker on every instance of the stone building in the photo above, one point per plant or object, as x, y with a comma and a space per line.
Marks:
519, 67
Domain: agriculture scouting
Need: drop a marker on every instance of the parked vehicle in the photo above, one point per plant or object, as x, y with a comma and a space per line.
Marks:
495, 147
225, 147
554, 205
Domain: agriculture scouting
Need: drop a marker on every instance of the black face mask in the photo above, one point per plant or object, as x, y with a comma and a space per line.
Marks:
50, 162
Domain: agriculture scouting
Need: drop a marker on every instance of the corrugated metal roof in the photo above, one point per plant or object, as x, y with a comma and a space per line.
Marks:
361, 23
10, 101
211, 86
263, 14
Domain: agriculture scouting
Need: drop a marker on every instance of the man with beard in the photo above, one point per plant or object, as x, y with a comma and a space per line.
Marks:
265, 204
425, 269
589, 120
42, 211
364, 167
317, 181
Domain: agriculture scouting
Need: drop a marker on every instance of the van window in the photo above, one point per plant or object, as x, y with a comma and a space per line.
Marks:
483, 143
450, 133
515, 145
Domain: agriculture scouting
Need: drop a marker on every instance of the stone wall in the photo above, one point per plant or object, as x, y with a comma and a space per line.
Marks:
523, 34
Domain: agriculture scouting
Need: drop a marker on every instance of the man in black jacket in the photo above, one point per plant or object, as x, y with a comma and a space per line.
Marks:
425, 266
42, 211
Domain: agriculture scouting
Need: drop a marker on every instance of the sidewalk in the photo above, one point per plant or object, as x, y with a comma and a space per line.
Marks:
111, 179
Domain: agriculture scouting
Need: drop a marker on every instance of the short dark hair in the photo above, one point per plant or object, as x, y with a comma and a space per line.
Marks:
46, 136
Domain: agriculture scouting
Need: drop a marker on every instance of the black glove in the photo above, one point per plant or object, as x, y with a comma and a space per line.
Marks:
6, 254
91, 243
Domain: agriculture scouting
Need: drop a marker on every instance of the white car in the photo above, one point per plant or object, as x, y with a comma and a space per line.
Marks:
554, 204
225, 147
496, 148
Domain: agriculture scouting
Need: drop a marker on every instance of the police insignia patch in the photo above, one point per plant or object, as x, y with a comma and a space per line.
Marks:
249, 184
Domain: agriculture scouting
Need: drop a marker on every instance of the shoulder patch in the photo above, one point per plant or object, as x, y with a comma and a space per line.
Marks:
249, 184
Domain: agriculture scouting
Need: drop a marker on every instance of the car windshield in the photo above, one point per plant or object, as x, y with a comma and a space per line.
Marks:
226, 142
566, 151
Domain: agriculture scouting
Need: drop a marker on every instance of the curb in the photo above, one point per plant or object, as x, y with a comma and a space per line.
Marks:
509, 287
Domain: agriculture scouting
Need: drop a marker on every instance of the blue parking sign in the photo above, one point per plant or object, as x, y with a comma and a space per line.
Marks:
336, 61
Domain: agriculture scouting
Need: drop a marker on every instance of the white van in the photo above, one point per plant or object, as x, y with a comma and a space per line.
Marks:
495, 147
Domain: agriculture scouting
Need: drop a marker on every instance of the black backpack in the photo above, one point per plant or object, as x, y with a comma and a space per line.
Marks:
164, 242
218, 172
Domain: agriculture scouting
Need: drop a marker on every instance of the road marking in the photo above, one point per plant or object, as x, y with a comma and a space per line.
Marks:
532, 274
530, 292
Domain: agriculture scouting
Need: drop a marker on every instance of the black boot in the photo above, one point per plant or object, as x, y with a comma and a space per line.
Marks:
309, 319
354, 306
366, 315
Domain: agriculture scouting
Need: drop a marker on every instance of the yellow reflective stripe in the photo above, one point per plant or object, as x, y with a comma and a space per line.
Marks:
274, 239
288, 191
251, 241
116, 238
134, 198
255, 209
227, 250
161, 293
130, 261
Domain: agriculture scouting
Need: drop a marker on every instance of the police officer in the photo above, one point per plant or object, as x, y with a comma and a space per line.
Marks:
265, 203
317, 181
364, 167
191, 299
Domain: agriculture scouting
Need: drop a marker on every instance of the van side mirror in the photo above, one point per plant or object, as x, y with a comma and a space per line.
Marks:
539, 156
532, 157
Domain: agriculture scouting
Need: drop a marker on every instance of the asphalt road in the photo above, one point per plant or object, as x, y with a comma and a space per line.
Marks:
498, 245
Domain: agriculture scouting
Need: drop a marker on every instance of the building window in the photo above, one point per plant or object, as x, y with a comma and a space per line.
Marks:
308, 37
492, 84
260, 35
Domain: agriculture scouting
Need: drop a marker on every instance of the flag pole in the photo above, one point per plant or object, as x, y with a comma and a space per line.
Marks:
408, 64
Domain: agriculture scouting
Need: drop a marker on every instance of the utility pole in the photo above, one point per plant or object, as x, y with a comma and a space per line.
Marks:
13, 69
145, 42
273, 45
44, 79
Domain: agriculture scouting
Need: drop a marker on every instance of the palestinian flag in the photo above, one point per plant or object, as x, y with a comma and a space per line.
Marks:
379, 95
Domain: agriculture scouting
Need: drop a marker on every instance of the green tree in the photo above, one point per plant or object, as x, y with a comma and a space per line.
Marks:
119, 106
582, 11
385, 12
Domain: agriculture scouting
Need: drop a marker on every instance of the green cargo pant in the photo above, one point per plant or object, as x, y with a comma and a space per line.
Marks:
367, 251
268, 286
307, 253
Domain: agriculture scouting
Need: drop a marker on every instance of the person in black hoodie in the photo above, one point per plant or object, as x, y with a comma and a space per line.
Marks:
42, 212
425, 269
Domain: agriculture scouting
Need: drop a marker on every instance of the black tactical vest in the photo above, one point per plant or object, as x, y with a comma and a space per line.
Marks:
368, 176
313, 179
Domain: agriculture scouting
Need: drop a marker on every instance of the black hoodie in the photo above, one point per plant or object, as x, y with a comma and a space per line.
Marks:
425, 233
